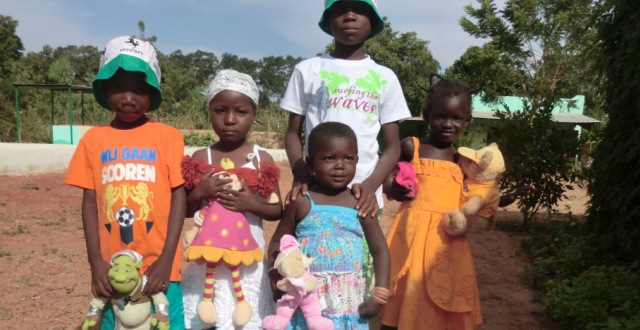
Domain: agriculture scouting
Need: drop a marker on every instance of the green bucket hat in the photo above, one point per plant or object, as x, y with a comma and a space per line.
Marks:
376, 26
129, 54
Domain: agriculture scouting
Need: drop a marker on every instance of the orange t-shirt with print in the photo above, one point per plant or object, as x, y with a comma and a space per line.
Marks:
132, 172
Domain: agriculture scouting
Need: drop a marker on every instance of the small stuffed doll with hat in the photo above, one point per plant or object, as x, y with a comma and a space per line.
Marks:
131, 307
224, 236
480, 195
300, 288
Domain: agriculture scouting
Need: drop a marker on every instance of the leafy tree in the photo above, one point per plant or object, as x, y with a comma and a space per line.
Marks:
537, 49
409, 58
615, 189
273, 76
540, 152
240, 64
11, 46
485, 68
61, 72
83, 61
10, 52
36, 65
141, 29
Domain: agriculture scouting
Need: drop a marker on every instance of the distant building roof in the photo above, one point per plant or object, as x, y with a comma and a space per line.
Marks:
568, 111
569, 118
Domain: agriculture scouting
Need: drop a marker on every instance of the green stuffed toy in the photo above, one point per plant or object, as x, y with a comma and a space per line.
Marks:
132, 308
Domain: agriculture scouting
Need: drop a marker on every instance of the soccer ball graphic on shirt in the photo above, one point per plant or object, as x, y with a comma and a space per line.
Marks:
125, 216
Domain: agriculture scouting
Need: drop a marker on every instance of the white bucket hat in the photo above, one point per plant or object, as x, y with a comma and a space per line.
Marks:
129, 54
233, 80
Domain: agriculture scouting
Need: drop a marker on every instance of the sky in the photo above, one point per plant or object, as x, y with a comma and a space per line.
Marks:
247, 28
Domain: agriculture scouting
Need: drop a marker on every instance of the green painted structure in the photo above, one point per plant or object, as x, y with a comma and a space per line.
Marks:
568, 111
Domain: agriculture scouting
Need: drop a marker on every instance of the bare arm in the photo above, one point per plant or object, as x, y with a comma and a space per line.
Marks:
365, 192
381, 263
510, 198
293, 146
159, 272
100, 286
287, 225
389, 186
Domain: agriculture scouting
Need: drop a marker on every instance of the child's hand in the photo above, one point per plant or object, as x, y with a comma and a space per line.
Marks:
100, 286
242, 200
212, 184
301, 182
369, 308
274, 277
367, 204
158, 275
399, 192
522, 191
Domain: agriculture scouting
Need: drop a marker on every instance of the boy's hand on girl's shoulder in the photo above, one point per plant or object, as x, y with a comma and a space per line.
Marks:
297, 189
301, 182
158, 275
367, 204
100, 286
369, 308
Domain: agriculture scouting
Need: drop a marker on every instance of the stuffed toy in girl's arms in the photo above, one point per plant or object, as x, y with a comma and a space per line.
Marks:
131, 307
480, 196
300, 288
224, 236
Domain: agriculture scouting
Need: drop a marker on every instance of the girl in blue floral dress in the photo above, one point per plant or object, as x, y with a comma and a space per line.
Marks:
328, 228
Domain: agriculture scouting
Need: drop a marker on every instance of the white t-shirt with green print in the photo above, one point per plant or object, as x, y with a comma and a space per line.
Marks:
361, 94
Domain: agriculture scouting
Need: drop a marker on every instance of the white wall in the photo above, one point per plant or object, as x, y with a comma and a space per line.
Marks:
32, 158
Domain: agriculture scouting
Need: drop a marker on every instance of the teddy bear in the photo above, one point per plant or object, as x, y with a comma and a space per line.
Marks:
300, 288
132, 308
223, 236
480, 193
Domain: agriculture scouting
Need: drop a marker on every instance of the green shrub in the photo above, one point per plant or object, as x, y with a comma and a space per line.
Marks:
560, 251
196, 139
604, 297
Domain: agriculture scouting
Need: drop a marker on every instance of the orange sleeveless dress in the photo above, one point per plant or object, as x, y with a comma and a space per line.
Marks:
433, 279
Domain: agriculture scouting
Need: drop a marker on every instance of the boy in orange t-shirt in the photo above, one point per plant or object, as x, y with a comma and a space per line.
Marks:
130, 172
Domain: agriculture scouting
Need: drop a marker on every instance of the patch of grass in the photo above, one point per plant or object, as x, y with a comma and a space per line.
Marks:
30, 186
19, 229
4, 253
29, 280
6, 314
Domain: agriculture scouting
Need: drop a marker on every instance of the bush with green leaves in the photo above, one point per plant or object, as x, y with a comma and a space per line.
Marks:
560, 250
538, 151
604, 297
615, 188
197, 139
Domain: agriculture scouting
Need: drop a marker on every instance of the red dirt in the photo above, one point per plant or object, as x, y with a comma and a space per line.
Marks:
44, 274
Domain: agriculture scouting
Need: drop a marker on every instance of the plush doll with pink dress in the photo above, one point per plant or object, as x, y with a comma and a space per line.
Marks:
224, 235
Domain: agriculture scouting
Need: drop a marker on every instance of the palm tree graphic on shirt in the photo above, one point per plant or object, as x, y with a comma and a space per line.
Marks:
371, 84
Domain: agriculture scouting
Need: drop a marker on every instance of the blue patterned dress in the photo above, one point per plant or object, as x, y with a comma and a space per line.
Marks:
333, 235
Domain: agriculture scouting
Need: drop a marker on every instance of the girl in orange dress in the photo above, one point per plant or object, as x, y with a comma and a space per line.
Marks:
433, 280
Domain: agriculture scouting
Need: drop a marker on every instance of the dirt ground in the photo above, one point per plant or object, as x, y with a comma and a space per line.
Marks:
44, 274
